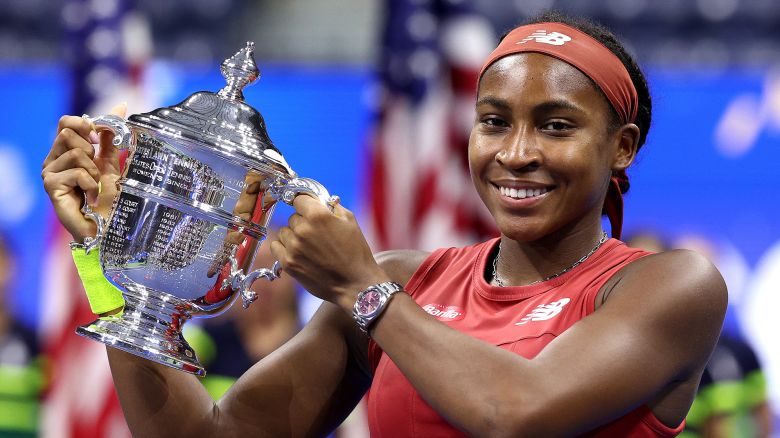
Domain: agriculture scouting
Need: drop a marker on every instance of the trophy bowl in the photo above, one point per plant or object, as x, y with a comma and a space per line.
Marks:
198, 188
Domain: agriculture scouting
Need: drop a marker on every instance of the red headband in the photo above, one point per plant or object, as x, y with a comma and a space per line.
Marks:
598, 63
579, 50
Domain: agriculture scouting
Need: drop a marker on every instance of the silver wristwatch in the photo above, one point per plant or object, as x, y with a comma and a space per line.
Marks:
372, 301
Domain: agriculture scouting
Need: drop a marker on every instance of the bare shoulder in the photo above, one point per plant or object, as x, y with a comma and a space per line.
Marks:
401, 264
678, 273
679, 295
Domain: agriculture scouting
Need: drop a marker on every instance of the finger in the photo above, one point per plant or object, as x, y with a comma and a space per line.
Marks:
67, 200
107, 151
244, 216
306, 205
342, 212
279, 252
245, 205
78, 124
74, 158
294, 220
69, 138
285, 236
61, 184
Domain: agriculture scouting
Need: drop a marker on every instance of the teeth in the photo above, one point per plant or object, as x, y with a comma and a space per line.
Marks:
521, 193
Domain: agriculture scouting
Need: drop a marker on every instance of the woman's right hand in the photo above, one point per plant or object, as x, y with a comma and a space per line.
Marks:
73, 169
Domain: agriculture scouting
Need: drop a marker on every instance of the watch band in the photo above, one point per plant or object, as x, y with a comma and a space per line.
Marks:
372, 301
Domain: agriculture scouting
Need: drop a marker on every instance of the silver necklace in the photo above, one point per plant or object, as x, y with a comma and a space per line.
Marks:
500, 282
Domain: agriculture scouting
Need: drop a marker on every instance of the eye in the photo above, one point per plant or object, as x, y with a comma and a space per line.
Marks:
493, 121
557, 127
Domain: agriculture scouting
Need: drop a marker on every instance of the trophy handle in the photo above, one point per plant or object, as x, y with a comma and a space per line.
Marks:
237, 281
286, 191
117, 126
91, 242
114, 124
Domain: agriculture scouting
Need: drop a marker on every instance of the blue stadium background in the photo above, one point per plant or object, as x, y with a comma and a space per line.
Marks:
680, 184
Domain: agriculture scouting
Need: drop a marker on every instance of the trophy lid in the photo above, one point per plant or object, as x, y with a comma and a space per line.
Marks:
222, 120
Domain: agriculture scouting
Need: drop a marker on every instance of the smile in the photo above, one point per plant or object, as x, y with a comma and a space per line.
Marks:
521, 193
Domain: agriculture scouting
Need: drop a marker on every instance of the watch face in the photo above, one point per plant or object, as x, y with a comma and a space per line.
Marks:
369, 302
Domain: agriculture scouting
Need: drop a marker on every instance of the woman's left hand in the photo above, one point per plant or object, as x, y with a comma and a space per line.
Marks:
327, 252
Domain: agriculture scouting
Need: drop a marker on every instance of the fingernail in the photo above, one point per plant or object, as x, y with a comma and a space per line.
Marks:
120, 109
94, 138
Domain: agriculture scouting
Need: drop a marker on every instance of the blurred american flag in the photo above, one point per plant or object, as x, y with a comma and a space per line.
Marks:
420, 194
108, 44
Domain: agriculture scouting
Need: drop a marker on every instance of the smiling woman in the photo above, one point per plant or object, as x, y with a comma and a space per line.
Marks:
541, 126
551, 329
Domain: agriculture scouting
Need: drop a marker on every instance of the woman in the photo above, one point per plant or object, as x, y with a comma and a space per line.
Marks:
594, 337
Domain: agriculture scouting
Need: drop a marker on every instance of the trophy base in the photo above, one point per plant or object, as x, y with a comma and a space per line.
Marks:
149, 327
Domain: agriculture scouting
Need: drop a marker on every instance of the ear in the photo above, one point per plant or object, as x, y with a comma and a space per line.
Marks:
627, 138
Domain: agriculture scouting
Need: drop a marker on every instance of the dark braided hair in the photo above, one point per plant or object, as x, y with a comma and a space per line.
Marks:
608, 39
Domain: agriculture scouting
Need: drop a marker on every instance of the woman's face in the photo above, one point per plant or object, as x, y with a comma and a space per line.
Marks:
541, 151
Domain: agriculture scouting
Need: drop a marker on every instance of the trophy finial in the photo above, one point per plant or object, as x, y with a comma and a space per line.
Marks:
239, 71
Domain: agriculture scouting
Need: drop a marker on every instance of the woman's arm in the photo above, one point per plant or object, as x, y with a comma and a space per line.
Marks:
658, 327
305, 388
654, 333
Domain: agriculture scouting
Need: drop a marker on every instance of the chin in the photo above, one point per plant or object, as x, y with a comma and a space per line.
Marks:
523, 229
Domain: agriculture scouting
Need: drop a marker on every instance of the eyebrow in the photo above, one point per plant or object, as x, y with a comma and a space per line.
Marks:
550, 105
558, 104
493, 101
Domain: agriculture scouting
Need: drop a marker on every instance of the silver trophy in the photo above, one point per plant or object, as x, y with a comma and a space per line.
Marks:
198, 189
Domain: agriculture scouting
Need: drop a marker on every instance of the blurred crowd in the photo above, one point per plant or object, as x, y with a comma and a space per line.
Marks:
23, 374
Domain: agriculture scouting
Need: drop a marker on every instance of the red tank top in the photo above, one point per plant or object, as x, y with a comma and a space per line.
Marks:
450, 285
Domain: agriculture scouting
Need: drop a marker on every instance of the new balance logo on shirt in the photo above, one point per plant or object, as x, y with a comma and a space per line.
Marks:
543, 312
552, 38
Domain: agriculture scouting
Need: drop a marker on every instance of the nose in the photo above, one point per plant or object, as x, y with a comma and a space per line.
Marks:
520, 151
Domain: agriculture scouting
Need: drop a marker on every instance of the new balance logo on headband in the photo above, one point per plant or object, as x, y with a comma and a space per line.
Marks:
552, 38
